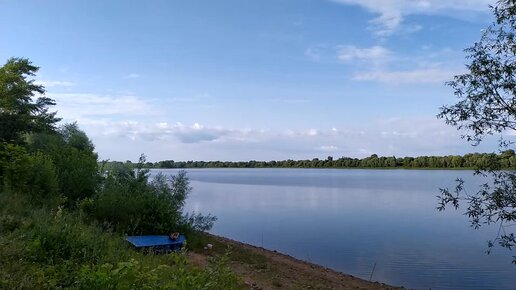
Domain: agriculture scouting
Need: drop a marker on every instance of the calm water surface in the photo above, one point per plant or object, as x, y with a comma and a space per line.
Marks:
349, 220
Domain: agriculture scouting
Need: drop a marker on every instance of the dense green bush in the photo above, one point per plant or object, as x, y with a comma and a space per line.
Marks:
131, 202
33, 174
62, 236
13, 163
75, 161
41, 183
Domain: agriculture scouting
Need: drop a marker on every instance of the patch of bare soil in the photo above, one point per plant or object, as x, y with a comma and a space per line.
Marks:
263, 269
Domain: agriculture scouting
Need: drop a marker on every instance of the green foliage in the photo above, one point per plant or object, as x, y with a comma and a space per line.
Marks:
487, 106
13, 162
76, 138
19, 113
75, 161
14, 208
33, 174
43, 248
78, 173
131, 203
61, 237
197, 222
42, 182
467, 161
487, 91
133, 275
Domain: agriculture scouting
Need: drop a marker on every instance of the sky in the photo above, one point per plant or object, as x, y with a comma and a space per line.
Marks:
240, 80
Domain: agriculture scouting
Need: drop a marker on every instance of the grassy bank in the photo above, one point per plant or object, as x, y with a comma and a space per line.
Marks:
48, 248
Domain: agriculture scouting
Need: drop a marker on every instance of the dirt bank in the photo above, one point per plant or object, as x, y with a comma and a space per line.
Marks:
263, 269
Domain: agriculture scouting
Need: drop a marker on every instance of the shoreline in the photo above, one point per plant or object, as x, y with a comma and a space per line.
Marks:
260, 268
333, 168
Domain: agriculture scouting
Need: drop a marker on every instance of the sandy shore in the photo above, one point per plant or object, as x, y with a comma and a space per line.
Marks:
263, 269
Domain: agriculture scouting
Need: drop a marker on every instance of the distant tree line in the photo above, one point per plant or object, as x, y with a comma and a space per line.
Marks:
504, 160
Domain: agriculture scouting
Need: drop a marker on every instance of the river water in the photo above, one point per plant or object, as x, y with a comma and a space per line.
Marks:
351, 220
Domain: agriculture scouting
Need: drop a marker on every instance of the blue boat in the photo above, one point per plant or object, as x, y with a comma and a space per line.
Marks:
157, 243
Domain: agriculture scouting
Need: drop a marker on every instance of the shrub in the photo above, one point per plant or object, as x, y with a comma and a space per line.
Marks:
75, 162
13, 162
62, 236
41, 183
32, 174
131, 203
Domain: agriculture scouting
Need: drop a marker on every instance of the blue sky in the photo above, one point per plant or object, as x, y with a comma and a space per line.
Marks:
242, 79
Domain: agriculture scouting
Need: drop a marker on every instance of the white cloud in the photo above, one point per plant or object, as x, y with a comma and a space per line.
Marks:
292, 100
48, 83
320, 52
313, 54
124, 126
414, 76
186, 134
182, 99
384, 66
328, 148
75, 106
373, 53
391, 13
160, 131
312, 132
386, 23
133, 76
169, 140
296, 101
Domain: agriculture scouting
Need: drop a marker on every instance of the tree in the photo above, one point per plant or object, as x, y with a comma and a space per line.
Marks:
19, 113
75, 137
75, 161
487, 106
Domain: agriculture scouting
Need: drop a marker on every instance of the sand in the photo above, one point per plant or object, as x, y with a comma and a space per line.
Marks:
259, 268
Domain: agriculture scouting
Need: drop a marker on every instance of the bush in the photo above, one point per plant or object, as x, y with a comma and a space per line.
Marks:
13, 166
130, 203
75, 162
32, 174
41, 183
63, 237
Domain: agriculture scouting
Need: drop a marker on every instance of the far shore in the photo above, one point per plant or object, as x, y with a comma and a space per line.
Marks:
259, 268
335, 168
505, 160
